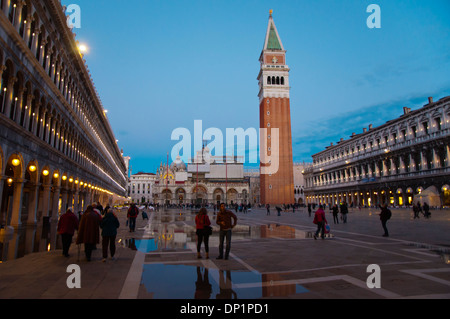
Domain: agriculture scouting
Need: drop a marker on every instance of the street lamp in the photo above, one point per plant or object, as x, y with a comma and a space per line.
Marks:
83, 48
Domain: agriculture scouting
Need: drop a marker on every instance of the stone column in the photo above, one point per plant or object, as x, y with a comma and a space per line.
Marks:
393, 168
16, 212
436, 161
5, 7
35, 38
55, 216
2, 184
19, 106
9, 95
33, 205
412, 163
52, 132
42, 53
402, 168
27, 31
28, 110
385, 170
76, 200
447, 156
423, 161
18, 15
46, 200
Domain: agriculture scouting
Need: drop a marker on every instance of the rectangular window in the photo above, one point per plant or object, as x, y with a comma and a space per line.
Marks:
404, 134
425, 127
438, 123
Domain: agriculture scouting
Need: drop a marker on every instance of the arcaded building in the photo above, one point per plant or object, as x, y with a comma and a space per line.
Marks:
57, 148
404, 161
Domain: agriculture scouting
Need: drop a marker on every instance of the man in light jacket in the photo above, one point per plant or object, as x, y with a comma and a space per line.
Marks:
227, 221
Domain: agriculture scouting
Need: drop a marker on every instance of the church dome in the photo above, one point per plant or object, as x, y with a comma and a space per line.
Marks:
178, 165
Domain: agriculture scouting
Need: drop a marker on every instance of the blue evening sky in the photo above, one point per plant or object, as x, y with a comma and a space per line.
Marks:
160, 65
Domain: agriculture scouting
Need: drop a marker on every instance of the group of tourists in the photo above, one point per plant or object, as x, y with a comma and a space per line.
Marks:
88, 227
226, 220
418, 209
322, 223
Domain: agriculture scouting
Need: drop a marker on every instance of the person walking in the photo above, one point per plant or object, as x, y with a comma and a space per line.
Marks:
309, 210
109, 225
426, 210
88, 231
416, 211
133, 213
335, 214
385, 215
344, 212
67, 225
227, 221
279, 209
320, 220
268, 210
419, 209
203, 229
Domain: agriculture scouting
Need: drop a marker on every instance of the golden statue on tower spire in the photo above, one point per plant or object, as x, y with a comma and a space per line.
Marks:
270, 12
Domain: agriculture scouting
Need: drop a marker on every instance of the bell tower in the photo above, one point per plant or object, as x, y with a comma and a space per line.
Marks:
276, 186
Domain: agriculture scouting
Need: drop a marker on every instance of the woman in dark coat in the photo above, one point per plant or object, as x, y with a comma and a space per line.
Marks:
67, 225
201, 223
88, 231
109, 226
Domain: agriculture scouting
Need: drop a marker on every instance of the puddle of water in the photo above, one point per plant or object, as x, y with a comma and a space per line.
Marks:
152, 244
18, 243
163, 281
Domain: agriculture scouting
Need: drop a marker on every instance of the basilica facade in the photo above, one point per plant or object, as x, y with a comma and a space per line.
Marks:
205, 180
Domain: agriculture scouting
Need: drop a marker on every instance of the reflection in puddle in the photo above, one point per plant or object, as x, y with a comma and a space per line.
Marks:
149, 245
163, 281
161, 236
18, 243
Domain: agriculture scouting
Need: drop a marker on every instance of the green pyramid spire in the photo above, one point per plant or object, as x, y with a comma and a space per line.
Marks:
273, 42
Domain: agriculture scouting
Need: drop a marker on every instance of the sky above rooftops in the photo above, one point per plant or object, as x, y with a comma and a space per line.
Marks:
161, 65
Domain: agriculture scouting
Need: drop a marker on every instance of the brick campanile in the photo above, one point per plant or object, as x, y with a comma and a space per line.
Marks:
276, 185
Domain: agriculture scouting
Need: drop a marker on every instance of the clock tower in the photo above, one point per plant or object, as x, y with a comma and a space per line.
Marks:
277, 172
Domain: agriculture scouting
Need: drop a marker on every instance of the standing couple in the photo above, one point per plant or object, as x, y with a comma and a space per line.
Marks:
226, 220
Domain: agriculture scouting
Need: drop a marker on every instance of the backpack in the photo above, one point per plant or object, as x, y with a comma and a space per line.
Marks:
133, 211
388, 214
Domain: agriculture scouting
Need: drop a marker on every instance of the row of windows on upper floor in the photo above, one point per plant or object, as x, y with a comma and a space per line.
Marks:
33, 35
429, 158
27, 24
25, 106
394, 138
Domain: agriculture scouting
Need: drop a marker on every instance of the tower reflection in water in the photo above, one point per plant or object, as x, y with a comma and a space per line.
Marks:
184, 281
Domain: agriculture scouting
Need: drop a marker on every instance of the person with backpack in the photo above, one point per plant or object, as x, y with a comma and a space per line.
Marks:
385, 215
133, 213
